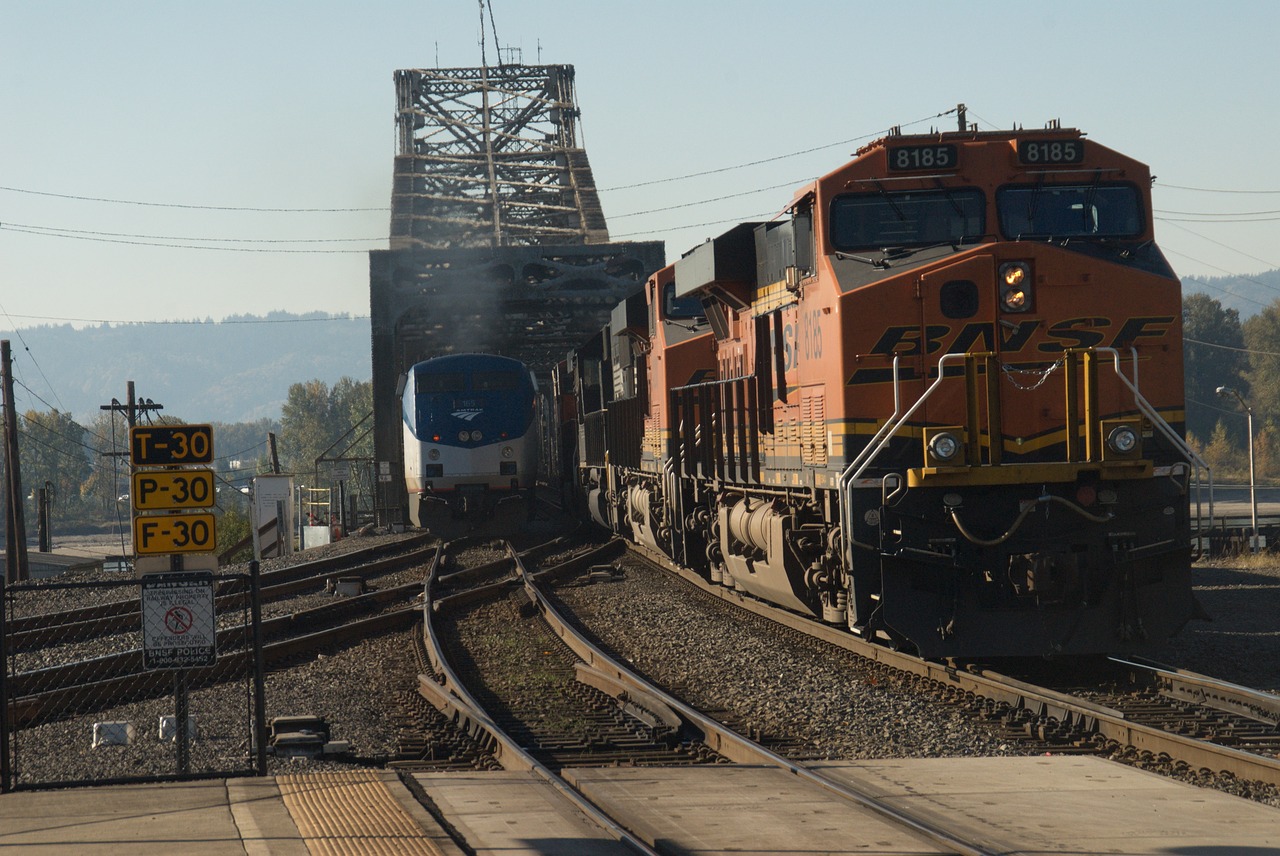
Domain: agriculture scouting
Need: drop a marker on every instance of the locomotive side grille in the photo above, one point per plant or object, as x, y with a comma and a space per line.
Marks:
813, 408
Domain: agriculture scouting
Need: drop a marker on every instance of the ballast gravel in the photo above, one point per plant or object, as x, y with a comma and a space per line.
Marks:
716, 662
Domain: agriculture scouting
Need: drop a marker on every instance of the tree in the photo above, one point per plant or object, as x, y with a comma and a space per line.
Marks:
314, 418
1213, 354
54, 454
1262, 336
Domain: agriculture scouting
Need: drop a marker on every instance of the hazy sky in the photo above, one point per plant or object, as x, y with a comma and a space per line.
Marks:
230, 105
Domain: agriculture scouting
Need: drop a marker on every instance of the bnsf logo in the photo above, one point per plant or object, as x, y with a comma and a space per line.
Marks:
1087, 332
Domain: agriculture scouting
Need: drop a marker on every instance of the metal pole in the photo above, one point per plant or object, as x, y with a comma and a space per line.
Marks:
259, 681
1253, 481
4, 693
16, 530
181, 713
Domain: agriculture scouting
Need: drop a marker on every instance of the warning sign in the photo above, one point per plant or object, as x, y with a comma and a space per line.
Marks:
179, 630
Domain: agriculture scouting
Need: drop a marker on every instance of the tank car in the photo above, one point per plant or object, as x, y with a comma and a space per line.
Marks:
939, 399
471, 442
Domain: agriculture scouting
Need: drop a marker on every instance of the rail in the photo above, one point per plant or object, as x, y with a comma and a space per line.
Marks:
446, 691
605, 670
978, 682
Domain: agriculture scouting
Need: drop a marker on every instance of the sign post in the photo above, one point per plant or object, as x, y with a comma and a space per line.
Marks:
179, 624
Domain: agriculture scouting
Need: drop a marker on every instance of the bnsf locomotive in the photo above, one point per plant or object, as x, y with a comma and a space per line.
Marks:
471, 443
939, 399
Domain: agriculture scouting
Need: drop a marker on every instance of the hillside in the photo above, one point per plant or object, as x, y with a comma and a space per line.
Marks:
235, 370
1248, 295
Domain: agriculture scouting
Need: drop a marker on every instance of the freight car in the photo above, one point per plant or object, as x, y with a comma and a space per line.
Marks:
471, 443
938, 399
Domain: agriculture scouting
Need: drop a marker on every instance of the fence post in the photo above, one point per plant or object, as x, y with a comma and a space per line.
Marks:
4, 691
181, 712
259, 681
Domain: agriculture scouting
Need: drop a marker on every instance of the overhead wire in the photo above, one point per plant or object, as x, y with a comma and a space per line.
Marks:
81, 198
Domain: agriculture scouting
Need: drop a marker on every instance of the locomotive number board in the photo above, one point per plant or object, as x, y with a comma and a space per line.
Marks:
906, 158
1043, 152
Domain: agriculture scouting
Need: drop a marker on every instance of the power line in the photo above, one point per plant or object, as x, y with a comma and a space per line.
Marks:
192, 323
1213, 214
61, 230
189, 206
873, 135
67, 233
1211, 189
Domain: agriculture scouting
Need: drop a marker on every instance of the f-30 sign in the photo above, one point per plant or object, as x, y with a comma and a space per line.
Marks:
174, 533
170, 445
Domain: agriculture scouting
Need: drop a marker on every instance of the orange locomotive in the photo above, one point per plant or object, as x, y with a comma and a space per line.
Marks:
939, 399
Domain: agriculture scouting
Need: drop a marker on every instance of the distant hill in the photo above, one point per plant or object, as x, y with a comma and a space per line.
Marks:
235, 370
1248, 295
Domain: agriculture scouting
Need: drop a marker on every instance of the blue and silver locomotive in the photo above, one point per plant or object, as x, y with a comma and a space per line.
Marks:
471, 443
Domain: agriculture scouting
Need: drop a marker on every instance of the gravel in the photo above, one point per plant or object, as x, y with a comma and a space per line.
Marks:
1241, 643
835, 706
354, 689
837, 709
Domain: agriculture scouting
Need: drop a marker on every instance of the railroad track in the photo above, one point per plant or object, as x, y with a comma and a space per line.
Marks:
30, 632
512, 709
90, 683
1141, 712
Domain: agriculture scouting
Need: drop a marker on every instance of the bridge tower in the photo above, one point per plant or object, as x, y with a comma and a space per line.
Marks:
498, 242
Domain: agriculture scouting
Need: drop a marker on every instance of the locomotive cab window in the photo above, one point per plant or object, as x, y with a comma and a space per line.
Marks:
907, 218
1070, 211
434, 382
689, 306
488, 381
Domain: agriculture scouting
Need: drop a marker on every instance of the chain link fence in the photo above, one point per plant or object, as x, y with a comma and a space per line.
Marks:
99, 675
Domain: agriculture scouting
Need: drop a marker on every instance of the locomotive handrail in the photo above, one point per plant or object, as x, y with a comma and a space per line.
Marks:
1165, 429
898, 418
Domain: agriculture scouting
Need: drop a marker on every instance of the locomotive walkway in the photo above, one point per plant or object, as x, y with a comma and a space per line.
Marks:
1045, 805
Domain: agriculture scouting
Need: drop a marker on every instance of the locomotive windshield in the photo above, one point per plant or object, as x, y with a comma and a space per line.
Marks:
907, 218
1069, 211
434, 382
495, 380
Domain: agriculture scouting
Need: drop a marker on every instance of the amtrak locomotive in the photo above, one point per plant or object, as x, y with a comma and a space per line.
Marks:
471, 443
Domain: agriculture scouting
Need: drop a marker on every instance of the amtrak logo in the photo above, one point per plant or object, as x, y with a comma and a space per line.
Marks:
468, 415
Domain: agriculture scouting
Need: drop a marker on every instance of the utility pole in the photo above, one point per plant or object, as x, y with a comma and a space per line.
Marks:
15, 545
273, 454
131, 409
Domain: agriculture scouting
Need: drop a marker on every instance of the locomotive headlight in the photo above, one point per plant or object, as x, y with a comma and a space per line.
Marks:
508, 452
433, 454
464, 436
1123, 439
944, 446
476, 436
1015, 286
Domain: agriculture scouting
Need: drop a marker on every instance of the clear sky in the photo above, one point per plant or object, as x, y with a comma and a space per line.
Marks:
208, 109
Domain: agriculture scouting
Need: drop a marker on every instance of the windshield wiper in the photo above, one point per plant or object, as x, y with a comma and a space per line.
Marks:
879, 264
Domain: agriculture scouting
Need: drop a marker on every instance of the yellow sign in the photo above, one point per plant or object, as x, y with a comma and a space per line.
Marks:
166, 445
174, 533
164, 490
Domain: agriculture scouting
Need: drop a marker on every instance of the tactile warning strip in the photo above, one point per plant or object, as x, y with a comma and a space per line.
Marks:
350, 813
